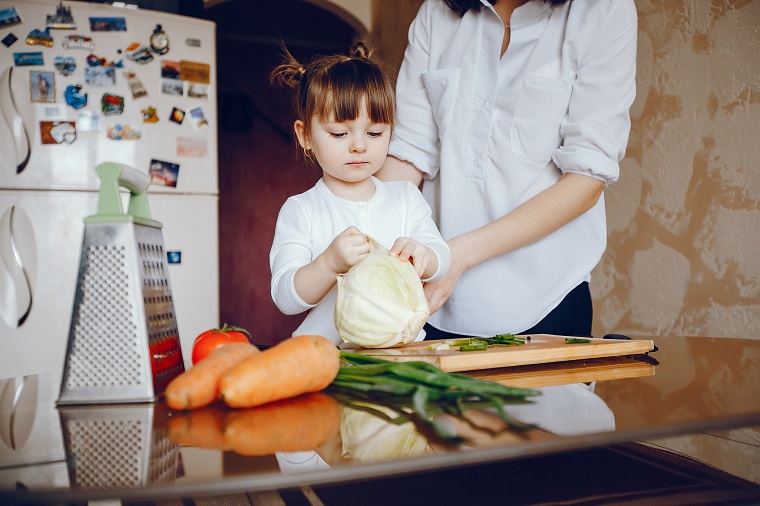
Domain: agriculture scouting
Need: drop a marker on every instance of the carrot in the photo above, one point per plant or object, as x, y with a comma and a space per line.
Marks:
298, 424
199, 385
203, 428
292, 367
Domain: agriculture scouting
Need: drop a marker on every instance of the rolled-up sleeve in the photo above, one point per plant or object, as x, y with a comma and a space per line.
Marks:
415, 137
595, 132
291, 249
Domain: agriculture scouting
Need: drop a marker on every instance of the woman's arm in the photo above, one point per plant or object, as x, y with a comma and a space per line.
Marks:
547, 212
399, 170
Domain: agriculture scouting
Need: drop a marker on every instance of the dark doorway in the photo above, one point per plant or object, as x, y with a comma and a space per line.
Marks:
258, 166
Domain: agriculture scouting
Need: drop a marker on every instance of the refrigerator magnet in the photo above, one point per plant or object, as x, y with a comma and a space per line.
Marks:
9, 40
197, 90
177, 115
173, 257
41, 86
135, 85
111, 104
149, 114
138, 53
197, 118
24, 59
195, 72
159, 41
100, 76
9, 17
78, 42
40, 38
172, 87
119, 132
108, 25
74, 96
62, 19
192, 147
58, 132
163, 173
65, 65
170, 69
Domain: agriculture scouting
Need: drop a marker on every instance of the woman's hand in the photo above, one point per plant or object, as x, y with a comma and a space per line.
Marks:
423, 259
346, 250
438, 292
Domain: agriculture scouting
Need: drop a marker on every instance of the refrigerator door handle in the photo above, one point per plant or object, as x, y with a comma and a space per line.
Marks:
21, 145
11, 255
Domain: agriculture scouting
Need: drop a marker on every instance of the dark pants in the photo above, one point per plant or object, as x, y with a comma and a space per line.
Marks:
572, 317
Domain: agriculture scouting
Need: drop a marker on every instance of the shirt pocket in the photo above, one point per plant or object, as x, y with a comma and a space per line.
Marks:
442, 86
541, 107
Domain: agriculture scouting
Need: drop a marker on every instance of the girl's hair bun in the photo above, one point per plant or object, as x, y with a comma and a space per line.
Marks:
288, 73
359, 50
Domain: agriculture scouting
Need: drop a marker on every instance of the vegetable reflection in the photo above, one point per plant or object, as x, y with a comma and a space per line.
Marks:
298, 424
372, 432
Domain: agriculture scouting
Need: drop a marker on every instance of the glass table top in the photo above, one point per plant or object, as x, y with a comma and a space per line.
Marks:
146, 451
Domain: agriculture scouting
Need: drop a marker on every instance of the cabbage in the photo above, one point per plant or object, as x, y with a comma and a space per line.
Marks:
368, 438
380, 301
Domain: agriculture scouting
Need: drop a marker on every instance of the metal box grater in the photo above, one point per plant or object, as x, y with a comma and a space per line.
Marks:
123, 341
119, 446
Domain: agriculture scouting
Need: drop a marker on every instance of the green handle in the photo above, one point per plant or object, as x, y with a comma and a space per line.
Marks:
114, 176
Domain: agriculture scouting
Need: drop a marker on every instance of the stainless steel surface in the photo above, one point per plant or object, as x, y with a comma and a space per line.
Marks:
117, 447
123, 342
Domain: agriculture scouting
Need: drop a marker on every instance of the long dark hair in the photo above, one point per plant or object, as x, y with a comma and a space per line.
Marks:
462, 6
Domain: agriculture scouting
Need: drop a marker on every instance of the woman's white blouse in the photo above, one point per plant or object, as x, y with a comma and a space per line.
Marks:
491, 132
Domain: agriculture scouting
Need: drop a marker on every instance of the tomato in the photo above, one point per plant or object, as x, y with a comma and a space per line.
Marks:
212, 339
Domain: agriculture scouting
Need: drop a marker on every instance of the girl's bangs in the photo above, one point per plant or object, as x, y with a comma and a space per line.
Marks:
347, 93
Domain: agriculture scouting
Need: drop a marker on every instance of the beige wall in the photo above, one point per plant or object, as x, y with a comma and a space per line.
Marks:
683, 255
684, 251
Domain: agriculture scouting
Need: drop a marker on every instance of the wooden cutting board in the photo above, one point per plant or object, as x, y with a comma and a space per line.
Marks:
540, 349
565, 373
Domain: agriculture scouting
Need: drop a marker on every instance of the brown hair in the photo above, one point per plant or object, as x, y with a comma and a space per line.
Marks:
462, 6
334, 86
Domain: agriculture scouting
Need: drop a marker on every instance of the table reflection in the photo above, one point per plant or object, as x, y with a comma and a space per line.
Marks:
134, 450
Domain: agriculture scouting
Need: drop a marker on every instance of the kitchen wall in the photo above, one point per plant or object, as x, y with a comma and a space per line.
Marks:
683, 256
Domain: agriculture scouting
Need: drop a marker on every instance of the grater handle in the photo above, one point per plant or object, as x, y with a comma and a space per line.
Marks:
114, 176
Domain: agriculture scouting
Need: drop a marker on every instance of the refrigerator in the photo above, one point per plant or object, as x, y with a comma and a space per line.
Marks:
82, 84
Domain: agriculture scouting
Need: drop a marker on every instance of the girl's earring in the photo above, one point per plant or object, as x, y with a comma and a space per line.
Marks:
307, 153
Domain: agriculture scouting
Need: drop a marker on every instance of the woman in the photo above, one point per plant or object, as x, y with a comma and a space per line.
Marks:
514, 117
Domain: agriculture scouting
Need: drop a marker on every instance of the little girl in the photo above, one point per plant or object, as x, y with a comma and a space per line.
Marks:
344, 120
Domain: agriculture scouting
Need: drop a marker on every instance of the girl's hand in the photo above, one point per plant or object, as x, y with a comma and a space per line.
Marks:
421, 257
346, 250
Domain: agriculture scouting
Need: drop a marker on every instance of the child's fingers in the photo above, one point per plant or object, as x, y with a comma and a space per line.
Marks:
352, 230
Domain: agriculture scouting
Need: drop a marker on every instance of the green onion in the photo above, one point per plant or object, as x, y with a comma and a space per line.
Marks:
576, 340
420, 391
483, 343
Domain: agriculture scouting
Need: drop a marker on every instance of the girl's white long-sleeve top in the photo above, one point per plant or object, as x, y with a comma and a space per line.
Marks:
490, 132
309, 222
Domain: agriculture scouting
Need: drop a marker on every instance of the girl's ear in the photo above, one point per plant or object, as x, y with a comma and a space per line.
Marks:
301, 134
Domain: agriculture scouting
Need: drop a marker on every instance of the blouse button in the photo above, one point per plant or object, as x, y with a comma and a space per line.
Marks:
362, 206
